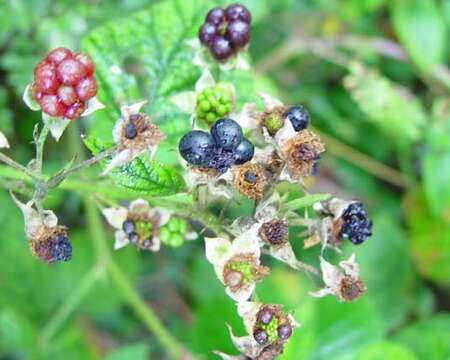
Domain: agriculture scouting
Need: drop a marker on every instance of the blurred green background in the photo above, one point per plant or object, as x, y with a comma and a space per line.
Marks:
375, 76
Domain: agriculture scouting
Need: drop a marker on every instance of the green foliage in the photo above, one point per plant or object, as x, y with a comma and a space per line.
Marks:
393, 108
420, 26
139, 351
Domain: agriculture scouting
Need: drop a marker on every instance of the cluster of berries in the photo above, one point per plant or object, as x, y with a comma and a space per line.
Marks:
63, 83
297, 115
52, 249
271, 325
357, 226
225, 31
173, 233
214, 103
224, 147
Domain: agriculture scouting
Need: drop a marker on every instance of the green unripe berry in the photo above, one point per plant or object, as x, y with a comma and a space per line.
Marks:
273, 122
172, 225
214, 102
164, 235
176, 240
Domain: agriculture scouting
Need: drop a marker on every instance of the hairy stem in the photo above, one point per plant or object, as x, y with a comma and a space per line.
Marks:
15, 165
40, 143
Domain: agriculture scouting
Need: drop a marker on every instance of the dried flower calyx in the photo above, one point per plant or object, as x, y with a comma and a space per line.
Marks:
249, 180
274, 232
134, 134
139, 224
47, 240
343, 281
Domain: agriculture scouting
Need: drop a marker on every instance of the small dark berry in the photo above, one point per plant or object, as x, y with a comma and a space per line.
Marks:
215, 16
238, 12
130, 131
238, 33
128, 227
133, 237
62, 249
227, 134
357, 226
260, 336
275, 232
250, 177
284, 331
298, 116
207, 34
244, 152
265, 316
221, 48
197, 147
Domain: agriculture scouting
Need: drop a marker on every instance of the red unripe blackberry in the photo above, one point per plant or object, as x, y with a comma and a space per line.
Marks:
70, 71
86, 88
221, 48
74, 111
51, 105
63, 83
57, 55
67, 95
87, 63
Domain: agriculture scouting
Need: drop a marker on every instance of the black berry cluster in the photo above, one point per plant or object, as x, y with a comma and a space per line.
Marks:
224, 147
357, 226
225, 31
53, 249
63, 83
271, 326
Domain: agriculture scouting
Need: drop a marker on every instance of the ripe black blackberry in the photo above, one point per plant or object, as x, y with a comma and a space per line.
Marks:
226, 31
357, 227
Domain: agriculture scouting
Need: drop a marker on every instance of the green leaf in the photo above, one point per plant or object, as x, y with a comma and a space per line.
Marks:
436, 161
428, 339
305, 201
138, 351
388, 105
429, 240
142, 175
420, 26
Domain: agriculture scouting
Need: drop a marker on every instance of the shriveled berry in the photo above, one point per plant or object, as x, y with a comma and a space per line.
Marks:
51, 105
215, 16
274, 232
250, 177
86, 88
133, 237
265, 316
130, 131
62, 249
284, 331
59, 54
67, 95
207, 33
357, 226
75, 110
70, 71
87, 63
197, 147
221, 48
238, 12
128, 227
260, 336
298, 116
227, 134
222, 160
238, 33
244, 152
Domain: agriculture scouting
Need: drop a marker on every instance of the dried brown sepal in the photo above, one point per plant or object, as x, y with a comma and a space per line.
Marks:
350, 289
301, 152
274, 232
271, 352
146, 133
249, 180
44, 245
334, 232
